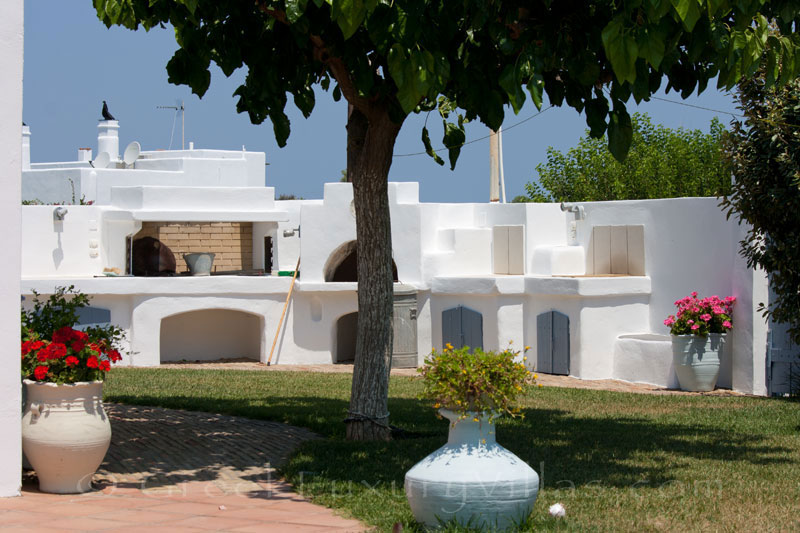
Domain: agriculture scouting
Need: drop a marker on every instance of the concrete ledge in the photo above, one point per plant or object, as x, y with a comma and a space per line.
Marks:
544, 285
175, 285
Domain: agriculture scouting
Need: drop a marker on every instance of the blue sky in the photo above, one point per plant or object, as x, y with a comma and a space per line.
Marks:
72, 63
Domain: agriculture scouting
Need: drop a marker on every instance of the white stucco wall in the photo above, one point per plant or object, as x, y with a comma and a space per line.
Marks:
687, 247
11, 51
64, 248
444, 251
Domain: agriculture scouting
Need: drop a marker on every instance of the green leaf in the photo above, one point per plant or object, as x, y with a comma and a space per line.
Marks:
295, 9
596, 111
191, 5
426, 141
454, 138
510, 82
620, 132
412, 74
621, 50
349, 14
535, 88
651, 46
280, 126
688, 11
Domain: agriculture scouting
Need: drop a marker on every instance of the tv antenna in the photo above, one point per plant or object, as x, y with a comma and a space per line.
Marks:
177, 107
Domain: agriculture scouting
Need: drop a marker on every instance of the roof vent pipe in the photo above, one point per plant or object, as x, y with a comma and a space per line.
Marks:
108, 138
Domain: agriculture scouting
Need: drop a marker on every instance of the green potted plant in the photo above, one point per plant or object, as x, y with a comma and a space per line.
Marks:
65, 430
472, 480
698, 336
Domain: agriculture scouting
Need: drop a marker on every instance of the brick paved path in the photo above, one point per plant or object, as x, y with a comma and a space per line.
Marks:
157, 449
181, 471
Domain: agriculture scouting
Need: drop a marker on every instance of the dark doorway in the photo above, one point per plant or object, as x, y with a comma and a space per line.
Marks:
267, 255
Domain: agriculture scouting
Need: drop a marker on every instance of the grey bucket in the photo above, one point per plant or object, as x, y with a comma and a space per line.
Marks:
199, 263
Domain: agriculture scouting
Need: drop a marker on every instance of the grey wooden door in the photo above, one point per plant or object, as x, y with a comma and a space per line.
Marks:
552, 343
462, 326
783, 359
404, 347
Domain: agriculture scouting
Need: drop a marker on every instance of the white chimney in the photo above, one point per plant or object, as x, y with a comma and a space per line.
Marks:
108, 138
26, 147
84, 154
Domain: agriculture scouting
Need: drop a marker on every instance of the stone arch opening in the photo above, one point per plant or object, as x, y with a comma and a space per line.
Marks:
342, 264
211, 334
345, 338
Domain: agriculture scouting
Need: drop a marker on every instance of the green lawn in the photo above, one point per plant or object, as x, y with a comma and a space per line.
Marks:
617, 461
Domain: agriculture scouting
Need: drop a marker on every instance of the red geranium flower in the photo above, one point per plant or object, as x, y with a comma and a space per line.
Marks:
114, 355
57, 350
92, 362
63, 335
77, 345
72, 360
40, 372
79, 335
105, 366
31, 346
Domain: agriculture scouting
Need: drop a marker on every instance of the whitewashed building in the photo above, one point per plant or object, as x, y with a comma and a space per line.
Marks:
587, 286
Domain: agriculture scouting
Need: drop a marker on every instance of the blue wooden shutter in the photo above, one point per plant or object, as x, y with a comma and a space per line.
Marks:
462, 326
544, 342
471, 328
552, 343
93, 316
451, 327
560, 343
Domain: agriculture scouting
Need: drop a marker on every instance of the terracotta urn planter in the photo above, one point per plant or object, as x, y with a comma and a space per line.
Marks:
472, 480
697, 360
65, 434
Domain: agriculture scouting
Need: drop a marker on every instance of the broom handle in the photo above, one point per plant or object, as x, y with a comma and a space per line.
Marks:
280, 322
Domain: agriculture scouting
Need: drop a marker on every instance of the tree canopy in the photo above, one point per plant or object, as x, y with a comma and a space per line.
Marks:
468, 59
764, 151
661, 163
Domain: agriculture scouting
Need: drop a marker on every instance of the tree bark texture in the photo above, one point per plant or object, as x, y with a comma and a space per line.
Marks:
370, 145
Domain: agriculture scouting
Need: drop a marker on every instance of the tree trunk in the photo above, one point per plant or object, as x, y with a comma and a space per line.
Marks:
370, 144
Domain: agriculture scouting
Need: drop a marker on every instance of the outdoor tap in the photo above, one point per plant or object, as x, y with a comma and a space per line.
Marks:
59, 213
291, 232
580, 213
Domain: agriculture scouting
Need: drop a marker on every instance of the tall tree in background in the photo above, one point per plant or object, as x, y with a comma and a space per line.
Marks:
661, 163
764, 152
467, 59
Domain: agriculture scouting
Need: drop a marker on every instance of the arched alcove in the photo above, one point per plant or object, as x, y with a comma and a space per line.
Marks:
345, 341
342, 264
211, 334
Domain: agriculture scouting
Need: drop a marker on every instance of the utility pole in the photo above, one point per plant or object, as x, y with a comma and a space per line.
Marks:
497, 185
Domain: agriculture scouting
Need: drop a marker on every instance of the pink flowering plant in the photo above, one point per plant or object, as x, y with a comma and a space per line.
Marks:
54, 351
700, 317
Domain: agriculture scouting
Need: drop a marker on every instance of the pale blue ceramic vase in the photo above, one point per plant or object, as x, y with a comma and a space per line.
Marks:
697, 360
472, 480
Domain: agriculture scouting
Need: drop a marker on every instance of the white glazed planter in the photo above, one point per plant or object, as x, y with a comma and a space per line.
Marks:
65, 434
697, 360
472, 480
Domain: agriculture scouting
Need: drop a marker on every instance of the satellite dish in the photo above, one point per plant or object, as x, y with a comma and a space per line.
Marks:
102, 160
131, 153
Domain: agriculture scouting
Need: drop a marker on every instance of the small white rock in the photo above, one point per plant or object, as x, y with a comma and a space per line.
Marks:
557, 510
221, 507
